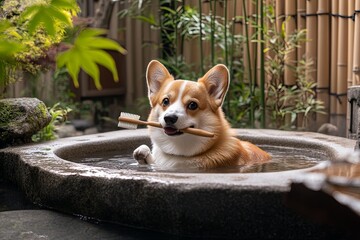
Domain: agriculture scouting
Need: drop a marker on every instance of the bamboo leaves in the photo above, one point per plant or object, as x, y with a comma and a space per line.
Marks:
86, 53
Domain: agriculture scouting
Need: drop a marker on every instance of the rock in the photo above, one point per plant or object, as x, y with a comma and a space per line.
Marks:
92, 130
68, 130
82, 124
20, 118
329, 129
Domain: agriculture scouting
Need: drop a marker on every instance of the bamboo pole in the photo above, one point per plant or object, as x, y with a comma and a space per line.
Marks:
323, 77
253, 14
246, 26
201, 48
356, 56
252, 11
350, 12
262, 66
342, 68
226, 33
290, 11
333, 59
301, 24
279, 13
311, 44
269, 25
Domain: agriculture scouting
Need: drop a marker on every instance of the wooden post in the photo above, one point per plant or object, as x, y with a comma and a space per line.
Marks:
342, 63
333, 59
311, 44
323, 76
356, 56
290, 11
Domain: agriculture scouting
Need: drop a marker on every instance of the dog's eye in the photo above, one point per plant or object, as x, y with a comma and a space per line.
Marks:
192, 106
165, 102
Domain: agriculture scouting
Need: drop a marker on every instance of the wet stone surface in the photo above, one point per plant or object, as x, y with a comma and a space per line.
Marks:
231, 205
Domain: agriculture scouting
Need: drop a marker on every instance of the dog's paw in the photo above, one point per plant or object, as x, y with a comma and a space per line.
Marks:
141, 154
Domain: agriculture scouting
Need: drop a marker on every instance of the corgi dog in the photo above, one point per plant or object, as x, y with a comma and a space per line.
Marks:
179, 104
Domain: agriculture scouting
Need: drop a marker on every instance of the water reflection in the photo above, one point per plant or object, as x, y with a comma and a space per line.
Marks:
283, 158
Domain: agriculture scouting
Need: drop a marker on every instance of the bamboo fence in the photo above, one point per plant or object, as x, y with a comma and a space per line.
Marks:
333, 44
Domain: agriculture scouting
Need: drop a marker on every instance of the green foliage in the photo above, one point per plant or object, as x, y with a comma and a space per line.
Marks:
50, 15
31, 31
250, 99
58, 117
86, 52
287, 102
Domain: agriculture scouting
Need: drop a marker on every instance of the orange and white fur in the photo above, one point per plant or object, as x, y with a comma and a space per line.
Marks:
178, 104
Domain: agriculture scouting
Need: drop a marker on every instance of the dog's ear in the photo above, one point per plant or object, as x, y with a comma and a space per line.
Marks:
156, 75
217, 81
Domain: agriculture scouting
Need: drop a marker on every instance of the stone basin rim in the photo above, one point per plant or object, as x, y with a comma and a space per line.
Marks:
47, 157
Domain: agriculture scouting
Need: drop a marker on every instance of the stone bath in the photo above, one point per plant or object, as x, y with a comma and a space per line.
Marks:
205, 204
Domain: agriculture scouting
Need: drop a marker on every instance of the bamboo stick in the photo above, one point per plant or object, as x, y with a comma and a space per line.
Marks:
323, 77
301, 24
129, 119
290, 11
356, 56
311, 44
342, 63
333, 59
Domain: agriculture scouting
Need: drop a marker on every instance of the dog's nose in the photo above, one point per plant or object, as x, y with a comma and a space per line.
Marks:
170, 119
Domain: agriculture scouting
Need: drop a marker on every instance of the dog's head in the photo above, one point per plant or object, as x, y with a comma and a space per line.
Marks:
179, 104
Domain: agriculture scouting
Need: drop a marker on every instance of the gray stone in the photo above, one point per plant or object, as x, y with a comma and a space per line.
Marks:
20, 118
43, 224
354, 112
68, 130
217, 205
329, 129
92, 130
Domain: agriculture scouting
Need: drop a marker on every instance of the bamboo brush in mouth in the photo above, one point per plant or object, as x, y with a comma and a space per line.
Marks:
131, 121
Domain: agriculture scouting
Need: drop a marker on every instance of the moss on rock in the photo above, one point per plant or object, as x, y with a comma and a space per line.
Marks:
20, 118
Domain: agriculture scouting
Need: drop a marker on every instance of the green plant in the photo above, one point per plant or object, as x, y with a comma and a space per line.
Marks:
257, 91
58, 117
286, 103
33, 31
